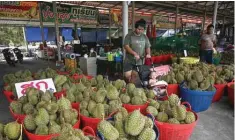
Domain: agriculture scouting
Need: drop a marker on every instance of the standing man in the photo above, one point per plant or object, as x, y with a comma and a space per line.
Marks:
208, 44
137, 46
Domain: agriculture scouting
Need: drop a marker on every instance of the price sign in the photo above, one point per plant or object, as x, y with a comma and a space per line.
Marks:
43, 85
185, 53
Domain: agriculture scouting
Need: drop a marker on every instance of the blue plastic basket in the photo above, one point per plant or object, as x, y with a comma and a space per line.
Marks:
118, 58
199, 100
101, 137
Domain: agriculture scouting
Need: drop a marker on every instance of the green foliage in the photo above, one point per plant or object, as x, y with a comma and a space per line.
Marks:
11, 35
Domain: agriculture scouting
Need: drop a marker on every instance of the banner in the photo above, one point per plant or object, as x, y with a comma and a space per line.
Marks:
19, 10
165, 22
70, 14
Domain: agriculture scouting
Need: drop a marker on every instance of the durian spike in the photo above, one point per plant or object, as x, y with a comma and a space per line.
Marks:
102, 116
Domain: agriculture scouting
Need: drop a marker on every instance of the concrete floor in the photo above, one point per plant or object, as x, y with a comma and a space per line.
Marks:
217, 123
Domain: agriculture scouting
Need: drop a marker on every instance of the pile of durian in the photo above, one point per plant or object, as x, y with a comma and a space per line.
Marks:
68, 133
171, 111
44, 114
199, 76
10, 131
133, 126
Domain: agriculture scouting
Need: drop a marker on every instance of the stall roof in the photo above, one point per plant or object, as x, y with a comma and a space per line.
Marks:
187, 9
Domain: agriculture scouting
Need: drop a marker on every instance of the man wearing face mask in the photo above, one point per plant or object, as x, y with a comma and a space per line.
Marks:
137, 46
208, 44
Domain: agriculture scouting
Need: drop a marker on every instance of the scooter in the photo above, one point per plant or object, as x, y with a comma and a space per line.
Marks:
18, 54
9, 56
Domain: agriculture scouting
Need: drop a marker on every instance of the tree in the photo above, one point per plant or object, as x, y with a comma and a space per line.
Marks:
12, 35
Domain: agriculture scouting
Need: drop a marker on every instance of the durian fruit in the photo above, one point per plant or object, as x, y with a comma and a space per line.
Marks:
173, 99
190, 117
63, 103
151, 94
54, 128
173, 121
28, 108
42, 130
134, 123
162, 117
29, 123
98, 111
152, 111
179, 112
125, 98
12, 130
16, 107
42, 117
148, 123
147, 134
107, 130
154, 103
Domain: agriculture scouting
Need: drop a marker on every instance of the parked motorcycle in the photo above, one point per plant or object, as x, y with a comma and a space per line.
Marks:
18, 54
9, 56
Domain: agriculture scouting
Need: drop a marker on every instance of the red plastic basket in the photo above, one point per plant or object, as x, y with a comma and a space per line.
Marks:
76, 106
62, 72
173, 89
18, 117
92, 122
88, 131
231, 93
176, 131
76, 77
157, 59
32, 136
164, 58
131, 108
59, 94
219, 92
9, 95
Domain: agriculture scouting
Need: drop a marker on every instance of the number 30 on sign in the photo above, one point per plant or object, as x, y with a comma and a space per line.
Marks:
43, 85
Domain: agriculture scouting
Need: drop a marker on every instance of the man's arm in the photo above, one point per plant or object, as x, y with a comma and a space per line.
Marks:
147, 47
214, 42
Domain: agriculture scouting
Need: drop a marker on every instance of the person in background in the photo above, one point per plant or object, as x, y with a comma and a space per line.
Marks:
208, 44
137, 46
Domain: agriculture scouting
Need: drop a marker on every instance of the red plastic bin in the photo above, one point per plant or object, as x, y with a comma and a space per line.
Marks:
18, 117
32, 136
131, 108
231, 93
59, 94
176, 131
173, 89
9, 95
219, 92
92, 122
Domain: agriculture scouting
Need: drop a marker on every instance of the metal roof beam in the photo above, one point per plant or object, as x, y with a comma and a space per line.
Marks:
183, 8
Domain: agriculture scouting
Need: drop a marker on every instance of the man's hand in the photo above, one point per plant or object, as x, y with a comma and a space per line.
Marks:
137, 57
148, 56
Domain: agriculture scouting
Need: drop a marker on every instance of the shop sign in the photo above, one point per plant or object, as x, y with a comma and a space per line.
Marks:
165, 22
19, 10
103, 19
70, 14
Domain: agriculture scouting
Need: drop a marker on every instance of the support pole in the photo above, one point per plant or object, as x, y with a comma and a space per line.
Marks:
41, 21
215, 14
125, 19
76, 31
223, 30
25, 40
176, 17
110, 24
204, 21
57, 30
133, 15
